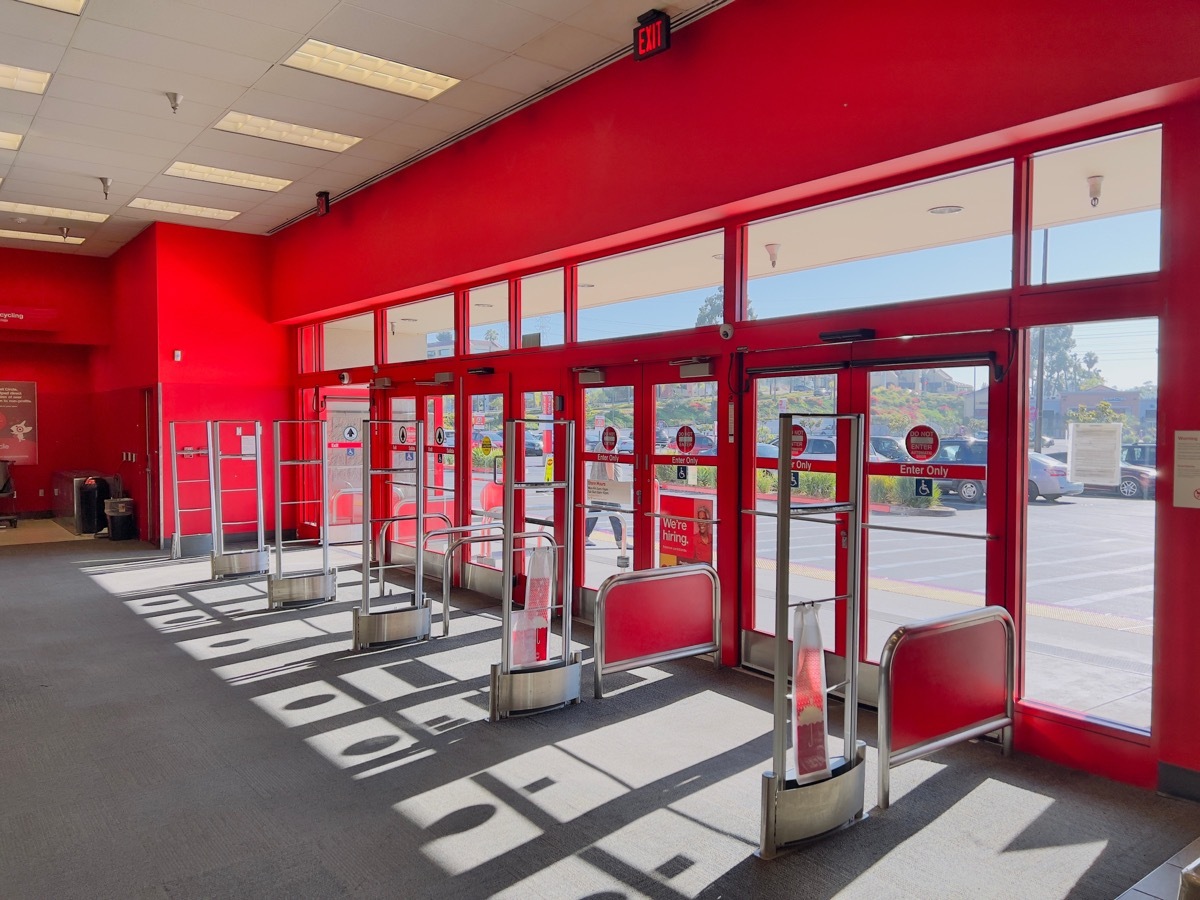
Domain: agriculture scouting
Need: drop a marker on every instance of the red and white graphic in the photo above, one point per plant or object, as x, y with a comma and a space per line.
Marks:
810, 755
18, 422
531, 625
685, 438
687, 533
608, 439
799, 439
921, 442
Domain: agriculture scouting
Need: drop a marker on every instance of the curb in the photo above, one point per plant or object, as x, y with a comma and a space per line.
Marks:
936, 511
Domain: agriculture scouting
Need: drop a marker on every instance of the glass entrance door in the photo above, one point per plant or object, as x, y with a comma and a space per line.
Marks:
928, 516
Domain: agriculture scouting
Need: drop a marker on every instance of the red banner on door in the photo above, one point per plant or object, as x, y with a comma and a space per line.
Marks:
18, 422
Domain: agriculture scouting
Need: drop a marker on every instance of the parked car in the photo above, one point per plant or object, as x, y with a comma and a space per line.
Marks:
706, 445
533, 443
766, 451
1048, 478
1136, 482
496, 437
885, 448
1139, 454
962, 452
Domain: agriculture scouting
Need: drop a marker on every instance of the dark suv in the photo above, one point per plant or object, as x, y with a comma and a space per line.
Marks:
962, 452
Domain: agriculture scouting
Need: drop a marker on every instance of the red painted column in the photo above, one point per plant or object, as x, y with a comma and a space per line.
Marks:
1176, 727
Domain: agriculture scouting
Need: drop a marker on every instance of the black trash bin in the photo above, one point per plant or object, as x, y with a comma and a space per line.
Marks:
121, 524
93, 493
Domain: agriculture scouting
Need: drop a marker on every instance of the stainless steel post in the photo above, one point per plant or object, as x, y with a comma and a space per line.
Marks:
366, 517
278, 499
783, 524
258, 487
214, 486
853, 575
568, 476
507, 543
419, 484
319, 428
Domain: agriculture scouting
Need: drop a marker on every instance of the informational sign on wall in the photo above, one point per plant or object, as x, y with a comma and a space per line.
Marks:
686, 535
18, 422
1187, 469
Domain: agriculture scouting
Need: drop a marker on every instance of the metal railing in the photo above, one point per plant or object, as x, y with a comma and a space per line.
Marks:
941, 626
448, 561
625, 579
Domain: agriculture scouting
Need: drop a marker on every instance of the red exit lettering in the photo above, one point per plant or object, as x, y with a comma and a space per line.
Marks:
653, 34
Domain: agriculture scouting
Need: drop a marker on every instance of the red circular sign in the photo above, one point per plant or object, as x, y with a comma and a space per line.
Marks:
921, 442
799, 439
608, 438
685, 438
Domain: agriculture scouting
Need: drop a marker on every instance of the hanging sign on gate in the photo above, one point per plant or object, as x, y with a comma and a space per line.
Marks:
921, 442
686, 535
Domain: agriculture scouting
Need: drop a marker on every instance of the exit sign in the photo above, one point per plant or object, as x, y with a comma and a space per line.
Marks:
652, 35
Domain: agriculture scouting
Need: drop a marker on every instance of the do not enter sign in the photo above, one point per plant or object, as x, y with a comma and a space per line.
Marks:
799, 439
685, 438
608, 438
921, 442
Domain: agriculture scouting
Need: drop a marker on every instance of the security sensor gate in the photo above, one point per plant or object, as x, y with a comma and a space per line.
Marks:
530, 678
235, 482
407, 616
301, 474
818, 794
190, 490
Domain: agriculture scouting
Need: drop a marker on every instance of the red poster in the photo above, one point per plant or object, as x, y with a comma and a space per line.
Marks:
18, 422
686, 535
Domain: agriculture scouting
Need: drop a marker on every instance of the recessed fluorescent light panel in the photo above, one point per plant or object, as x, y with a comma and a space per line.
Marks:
74, 7
34, 236
373, 71
31, 81
54, 212
272, 130
10, 141
182, 209
227, 176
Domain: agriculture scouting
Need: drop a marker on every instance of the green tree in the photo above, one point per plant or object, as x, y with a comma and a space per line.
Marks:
1062, 368
712, 311
491, 335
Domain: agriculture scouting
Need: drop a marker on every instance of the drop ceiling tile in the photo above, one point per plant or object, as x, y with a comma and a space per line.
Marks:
19, 102
484, 99
55, 167
29, 54
443, 118
334, 182
236, 204
92, 136
160, 128
300, 15
105, 69
486, 22
362, 167
253, 224
14, 123
569, 48
616, 19
180, 21
330, 91
408, 135
368, 32
308, 112
89, 155
552, 9
151, 104
261, 148
90, 198
176, 55
7, 157
522, 75
35, 23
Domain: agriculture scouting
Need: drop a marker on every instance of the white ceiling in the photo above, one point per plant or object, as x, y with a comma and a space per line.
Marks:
105, 113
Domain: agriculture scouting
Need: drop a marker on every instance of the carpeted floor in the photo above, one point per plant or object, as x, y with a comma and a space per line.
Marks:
165, 736
39, 531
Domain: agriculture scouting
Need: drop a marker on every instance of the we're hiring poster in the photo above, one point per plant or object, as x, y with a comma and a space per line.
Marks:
18, 422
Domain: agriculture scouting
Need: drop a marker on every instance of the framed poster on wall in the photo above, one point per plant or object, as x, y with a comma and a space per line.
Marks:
18, 422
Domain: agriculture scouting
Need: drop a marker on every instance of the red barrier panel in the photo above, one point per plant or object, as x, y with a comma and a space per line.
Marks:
648, 618
942, 682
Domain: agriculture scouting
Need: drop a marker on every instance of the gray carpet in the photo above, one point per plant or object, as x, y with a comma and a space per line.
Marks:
167, 739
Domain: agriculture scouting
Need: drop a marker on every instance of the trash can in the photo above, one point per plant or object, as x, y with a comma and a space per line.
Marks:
93, 494
121, 524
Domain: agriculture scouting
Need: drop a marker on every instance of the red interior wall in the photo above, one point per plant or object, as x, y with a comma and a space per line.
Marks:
235, 364
65, 421
755, 98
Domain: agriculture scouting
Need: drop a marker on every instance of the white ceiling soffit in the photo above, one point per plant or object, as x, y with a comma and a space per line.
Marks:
105, 113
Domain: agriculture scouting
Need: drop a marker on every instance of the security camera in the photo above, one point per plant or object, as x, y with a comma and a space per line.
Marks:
344, 377
726, 332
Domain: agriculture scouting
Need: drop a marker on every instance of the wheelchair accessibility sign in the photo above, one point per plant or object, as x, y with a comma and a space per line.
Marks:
924, 487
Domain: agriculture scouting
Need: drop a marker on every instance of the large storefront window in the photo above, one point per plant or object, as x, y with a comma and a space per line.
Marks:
542, 317
937, 238
1089, 573
487, 312
348, 342
664, 288
1096, 209
421, 330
